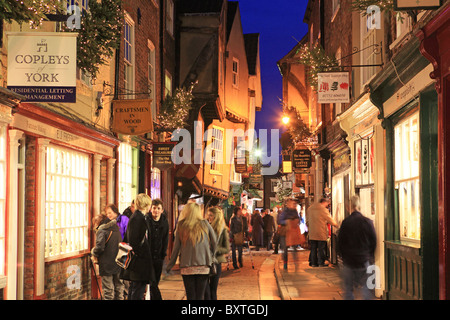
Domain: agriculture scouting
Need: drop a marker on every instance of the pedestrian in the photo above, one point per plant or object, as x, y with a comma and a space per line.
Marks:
141, 272
128, 212
356, 244
288, 219
158, 227
112, 212
104, 254
269, 229
122, 220
237, 234
276, 235
217, 221
317, 218
195, 244
257, 229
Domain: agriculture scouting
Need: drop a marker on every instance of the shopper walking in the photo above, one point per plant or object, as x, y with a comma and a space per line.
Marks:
159, 239
216, 219
317, 218
288, 219
195, 244
104, 254
269, 229
356, 245
141, 272
258, 229
237, 234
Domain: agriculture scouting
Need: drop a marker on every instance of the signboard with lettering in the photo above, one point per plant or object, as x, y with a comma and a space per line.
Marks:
301, 159
333, 87
240, 165
132, 117
42, 65
162, 155
416, 4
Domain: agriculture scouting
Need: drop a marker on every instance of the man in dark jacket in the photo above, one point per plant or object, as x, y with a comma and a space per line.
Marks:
159, 239
356, 245
269, 229
104, 253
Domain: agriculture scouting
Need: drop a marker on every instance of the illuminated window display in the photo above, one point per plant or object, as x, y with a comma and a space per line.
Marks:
125, 176
67, 202
155, 184
407, 176
2, 197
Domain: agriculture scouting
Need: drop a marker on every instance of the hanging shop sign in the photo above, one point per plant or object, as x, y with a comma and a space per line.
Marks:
42, 65
333, 87
162, 155
132, 117
301, 159
240, 165
364, 161
287, 163
400, 5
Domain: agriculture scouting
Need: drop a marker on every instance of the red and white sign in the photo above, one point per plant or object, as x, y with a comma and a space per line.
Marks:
333, 87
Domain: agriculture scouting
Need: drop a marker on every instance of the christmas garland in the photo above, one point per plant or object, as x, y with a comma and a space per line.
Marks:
32, 11
99, 36
282, 194
317, 61
175, 109
100, 28
296, 128
363, 5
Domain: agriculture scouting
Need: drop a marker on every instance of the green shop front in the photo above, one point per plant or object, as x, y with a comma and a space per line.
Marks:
405, 95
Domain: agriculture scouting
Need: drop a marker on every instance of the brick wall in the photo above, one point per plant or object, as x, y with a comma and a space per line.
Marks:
30, 216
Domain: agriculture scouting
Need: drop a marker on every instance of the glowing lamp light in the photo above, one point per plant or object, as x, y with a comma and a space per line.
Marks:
285, 119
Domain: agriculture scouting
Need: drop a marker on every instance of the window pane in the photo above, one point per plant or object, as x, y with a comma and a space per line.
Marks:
67, 184
407, 176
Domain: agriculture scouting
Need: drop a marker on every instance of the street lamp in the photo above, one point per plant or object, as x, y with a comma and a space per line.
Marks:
285, 119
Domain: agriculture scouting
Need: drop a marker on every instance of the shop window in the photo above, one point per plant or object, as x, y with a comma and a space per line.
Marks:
2, 197
155, 188
67, 202
126, 194
407, 181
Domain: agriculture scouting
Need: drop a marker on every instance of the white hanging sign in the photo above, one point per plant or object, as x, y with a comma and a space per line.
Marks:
333, 87
42, 65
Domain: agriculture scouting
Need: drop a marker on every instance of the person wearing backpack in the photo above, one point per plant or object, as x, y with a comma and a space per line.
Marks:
104, 254
141, 272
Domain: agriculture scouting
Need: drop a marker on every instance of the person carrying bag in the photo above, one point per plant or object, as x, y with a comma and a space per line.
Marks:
140, 272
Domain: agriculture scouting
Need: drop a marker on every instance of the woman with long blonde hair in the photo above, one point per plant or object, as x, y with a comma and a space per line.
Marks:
217, 221
195, 243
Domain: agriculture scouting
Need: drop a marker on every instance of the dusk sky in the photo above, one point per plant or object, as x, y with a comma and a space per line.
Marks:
280, 25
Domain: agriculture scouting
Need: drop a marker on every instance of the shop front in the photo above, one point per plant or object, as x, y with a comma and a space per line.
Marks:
65, 176
365, 137
407, 102
436, 48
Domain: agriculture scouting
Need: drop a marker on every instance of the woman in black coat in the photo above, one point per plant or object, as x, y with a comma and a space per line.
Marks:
141, 272
258, 229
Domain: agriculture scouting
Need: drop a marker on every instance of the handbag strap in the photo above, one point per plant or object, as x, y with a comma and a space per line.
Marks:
110, 234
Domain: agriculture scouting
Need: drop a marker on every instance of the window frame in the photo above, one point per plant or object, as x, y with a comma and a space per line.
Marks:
412, 178
216, 166
235, 73
129, 57
82, 163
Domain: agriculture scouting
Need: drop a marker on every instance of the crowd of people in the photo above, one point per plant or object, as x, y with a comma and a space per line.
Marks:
203, 240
